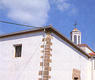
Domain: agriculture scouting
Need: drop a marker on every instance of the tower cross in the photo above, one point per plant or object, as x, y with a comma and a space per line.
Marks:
75, 24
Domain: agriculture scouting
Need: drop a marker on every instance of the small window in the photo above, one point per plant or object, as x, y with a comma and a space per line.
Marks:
18, 50
75, 39
75, 78
78, 39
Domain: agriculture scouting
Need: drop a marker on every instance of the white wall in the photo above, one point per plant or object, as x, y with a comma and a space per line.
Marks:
93, 68
28, 65
65, 59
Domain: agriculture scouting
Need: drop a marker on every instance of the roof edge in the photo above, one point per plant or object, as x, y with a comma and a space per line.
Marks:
70, 42
24, 32
85, 45
48, 28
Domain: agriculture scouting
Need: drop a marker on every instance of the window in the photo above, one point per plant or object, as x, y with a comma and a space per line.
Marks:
75, 39
78, 39
18, 50
75, 78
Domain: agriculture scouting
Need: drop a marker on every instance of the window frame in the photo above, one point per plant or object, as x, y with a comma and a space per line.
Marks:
18, 54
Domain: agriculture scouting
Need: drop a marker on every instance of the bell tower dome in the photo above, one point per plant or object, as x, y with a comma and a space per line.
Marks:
76, 36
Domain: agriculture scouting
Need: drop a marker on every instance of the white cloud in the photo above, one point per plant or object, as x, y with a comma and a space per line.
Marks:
64, 5
34, 12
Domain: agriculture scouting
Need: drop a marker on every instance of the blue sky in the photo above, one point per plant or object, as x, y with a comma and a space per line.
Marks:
62, 14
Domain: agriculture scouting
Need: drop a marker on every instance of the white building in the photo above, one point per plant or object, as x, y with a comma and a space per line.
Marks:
38, 55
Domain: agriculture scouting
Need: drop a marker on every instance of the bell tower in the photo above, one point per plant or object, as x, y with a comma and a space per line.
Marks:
76, 36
